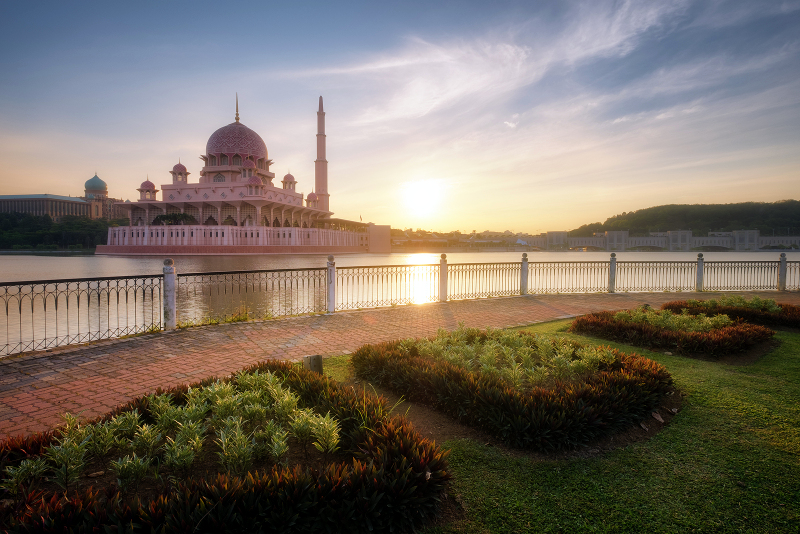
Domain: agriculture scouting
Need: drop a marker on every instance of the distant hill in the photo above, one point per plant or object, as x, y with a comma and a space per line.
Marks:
782, 217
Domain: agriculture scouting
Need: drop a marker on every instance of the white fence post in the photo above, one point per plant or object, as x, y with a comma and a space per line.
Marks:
443, 278
331, 285
612, 273
782, 273
523, 275
170, 308
699, 284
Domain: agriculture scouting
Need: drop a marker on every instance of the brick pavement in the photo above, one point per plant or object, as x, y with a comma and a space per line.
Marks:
92, 379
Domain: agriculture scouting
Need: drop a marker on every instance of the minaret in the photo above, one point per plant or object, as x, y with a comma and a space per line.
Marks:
321, 164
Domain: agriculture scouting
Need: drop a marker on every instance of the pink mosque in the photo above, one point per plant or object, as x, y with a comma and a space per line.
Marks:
235, 208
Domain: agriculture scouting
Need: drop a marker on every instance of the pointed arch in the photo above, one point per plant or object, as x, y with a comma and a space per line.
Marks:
286, 223
276, 223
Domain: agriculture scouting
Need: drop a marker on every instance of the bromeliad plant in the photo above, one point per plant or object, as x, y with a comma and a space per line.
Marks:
529, 391
663, 332
759, 311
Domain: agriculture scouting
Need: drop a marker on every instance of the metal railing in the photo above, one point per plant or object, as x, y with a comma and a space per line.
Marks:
740, 275
567, 277
219, 296
50, 313
479, 280
372, 287
656, 275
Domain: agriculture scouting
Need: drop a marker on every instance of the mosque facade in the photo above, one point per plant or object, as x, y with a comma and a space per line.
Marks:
237, 206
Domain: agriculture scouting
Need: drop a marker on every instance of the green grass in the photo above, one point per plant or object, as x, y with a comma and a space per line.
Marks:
729, 462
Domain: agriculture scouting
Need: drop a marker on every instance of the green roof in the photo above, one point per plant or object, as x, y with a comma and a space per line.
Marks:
42, 197
95, 183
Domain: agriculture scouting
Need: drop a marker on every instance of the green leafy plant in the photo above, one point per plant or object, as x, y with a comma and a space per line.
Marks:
667, 320
326, 432
68, 459
103, 439
130, 471
236, 447
146, 440
302, 425
755, 311
22, 479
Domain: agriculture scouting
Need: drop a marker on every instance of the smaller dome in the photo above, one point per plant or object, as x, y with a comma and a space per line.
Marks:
289, 178
248, 164
127, 200
90, 197
312, 196
179, 167
254, 180
95, 183
147, 184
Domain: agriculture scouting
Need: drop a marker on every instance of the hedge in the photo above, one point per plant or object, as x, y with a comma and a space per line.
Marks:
788, 316
394, 483
724, 340
561, 416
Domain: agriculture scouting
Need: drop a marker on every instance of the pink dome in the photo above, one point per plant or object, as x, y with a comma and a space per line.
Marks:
289, 178
236, 138
248, 164
179, 168
147, 184
254, 180
312, 196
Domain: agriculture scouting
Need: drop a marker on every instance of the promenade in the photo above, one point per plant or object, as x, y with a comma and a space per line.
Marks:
94, 378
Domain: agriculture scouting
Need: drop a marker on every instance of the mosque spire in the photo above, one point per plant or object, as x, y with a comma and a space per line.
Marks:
320, 104
237, 107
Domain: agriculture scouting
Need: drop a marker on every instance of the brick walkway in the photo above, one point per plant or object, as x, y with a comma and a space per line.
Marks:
92, 379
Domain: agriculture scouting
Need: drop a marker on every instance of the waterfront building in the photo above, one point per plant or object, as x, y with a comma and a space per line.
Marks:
238, 207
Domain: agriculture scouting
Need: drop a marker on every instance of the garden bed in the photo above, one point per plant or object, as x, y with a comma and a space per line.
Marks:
529, 391
682, 333
765, 312
274, 448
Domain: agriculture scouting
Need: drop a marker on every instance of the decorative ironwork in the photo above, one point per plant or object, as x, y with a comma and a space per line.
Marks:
740, 275
793, 275
50, 313
219, 296
480, 280
568, 277
656, 275
372, 287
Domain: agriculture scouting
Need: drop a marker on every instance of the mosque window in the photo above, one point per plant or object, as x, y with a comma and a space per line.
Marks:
212, 160
219, 178
223, 160
237, 160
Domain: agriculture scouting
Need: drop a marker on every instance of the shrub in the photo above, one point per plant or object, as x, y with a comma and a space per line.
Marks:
395, 480
716, 342
755, 311
667, 320
566, 414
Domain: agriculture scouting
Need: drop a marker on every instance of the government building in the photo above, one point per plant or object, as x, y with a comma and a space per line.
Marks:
237, 207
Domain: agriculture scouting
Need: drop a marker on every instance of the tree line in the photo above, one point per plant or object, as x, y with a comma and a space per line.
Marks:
778, 218
26, 231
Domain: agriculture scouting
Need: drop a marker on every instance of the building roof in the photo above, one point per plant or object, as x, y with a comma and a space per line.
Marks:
42, 197
95, 184
236, 138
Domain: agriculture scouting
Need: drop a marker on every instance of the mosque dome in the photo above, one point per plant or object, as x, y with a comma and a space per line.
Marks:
179, 167
289, 178
254, 180
248, 164
312, 196
147, 184
95, 184
236, 138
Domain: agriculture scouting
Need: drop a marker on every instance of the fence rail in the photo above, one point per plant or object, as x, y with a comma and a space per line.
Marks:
50, 313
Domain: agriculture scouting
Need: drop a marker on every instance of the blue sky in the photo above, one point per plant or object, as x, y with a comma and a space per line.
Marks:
525, 116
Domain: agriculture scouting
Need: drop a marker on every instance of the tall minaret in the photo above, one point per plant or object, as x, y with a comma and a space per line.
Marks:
321, 164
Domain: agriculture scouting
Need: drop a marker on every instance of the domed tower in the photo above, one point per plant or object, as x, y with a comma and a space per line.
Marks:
147, 191
96, 187
179, 174
228, 151
289, 182
311, 200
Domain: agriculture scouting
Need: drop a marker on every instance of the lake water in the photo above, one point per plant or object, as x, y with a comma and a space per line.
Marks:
30, 268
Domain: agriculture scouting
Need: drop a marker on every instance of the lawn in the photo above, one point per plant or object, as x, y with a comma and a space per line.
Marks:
729, 462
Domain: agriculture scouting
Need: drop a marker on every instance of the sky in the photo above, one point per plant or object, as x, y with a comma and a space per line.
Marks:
524, 116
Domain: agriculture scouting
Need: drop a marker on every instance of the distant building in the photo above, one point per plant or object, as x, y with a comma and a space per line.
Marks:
95, 203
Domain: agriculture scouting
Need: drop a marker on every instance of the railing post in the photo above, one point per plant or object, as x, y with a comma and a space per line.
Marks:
170, 283
523, 275
331, 285
443, 278
612, 273
699, 284
782, 273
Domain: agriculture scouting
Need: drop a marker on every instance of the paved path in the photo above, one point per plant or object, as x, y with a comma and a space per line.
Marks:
94, 378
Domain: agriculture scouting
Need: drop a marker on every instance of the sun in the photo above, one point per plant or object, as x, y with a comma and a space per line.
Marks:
423, 198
